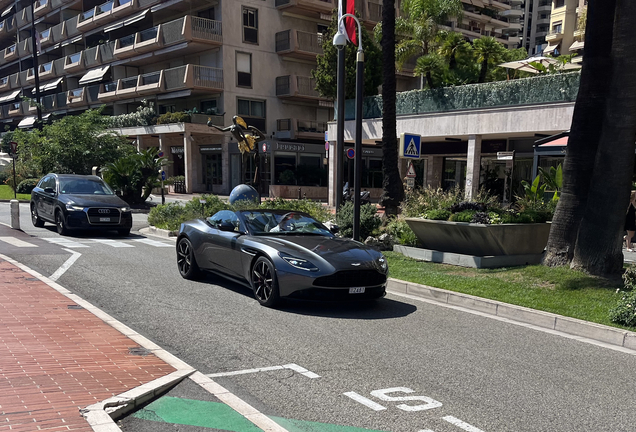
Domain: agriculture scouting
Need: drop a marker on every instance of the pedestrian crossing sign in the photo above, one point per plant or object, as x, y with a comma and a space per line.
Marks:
410, 146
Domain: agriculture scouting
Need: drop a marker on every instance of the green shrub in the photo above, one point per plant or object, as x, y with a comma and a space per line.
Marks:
437, 214
4, 175
313, 208
463, 216
168, 216
401, 232
174, 117
629, 278
625, 312
26, 186
287, 177
369, 222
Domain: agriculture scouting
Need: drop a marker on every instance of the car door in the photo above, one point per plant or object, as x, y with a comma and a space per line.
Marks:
223, 248
46, 202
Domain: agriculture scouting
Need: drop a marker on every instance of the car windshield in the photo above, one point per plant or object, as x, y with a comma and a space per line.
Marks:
279, 223
84, 187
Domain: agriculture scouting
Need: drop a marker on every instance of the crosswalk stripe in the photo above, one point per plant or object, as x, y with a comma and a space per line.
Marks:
66, 243
113, 243
16, 242
154, 243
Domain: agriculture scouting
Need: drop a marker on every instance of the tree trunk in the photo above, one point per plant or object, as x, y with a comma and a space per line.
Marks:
393, 191
483, 70
598, 246
429, 79
585, 133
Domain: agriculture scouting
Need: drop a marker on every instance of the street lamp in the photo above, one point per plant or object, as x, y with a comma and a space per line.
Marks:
36, 72
340, 41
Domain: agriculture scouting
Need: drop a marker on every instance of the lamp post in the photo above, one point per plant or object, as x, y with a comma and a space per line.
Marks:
36, 72
340, 41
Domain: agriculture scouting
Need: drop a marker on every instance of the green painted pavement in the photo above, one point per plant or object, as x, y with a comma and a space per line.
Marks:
220, 416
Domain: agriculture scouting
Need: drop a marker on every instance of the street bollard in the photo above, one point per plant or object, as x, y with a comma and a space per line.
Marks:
15, 214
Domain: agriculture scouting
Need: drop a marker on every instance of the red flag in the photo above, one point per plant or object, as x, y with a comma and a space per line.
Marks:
350, 23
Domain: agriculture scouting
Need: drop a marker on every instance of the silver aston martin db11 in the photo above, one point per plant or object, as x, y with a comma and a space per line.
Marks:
280, 253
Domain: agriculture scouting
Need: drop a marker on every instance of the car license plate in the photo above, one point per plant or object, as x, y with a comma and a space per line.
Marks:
356, 290
104, 219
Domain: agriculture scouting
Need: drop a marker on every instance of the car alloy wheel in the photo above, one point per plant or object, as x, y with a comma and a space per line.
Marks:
264, 282
186, 262
35, 219
59, 223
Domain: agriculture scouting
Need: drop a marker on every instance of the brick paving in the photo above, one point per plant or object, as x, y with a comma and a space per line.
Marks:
55, 360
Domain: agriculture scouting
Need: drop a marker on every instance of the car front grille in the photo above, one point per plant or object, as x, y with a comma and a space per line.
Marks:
98, 215
351, 278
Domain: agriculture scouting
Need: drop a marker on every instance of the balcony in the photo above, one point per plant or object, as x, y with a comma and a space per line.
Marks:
76, 97
373, 13
46, 71
310, 8
15, 109
545, 7
554, 35
127, 87
108, 91
86, 20
74, 62
579, 34
292, 128
11, 53
499, 4
23, 17
516, 12
296, 87
123, 8
7, 26
46, 37
5, 84
124, 47
298, 44
41, 7
151, 83
148, 40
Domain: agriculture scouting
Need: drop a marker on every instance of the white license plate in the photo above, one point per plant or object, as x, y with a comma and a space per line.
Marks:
104, 219
356, 290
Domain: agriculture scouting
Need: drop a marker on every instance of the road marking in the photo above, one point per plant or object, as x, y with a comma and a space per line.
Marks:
113, 243
154, 243
460, 424
301, 370
66, 242
16, 242
69, 262
364, 401
383, 395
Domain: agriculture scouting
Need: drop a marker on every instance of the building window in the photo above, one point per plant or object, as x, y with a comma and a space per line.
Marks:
250, 25
557, 27
244, 69
559, 3
207, 13
209, 107
163, 109
253, 111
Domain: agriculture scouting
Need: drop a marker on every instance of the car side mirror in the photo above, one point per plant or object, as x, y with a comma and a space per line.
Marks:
49, 190
226, 226
334, 229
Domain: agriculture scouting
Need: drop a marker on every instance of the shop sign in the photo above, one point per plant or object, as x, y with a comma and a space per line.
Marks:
290, 147
210, 149
176, 150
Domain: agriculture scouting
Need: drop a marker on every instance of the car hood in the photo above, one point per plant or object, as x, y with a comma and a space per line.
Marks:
93, 200
340, 253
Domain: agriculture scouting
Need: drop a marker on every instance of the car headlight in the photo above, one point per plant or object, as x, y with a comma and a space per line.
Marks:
125, 209
73, 207
300, 263
384, 266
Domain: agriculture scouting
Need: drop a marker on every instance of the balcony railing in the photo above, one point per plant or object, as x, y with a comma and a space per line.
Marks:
296, 86
148, 34
375, 11
298, 43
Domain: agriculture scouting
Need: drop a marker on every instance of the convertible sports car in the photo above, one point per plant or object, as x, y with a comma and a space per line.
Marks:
280, 254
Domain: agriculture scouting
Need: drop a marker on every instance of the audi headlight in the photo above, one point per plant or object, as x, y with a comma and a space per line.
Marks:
125, 209
384, 266
300, 263
72, 207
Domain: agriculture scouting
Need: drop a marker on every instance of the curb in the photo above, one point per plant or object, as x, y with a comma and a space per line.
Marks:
158, 232
101, 416
576, 327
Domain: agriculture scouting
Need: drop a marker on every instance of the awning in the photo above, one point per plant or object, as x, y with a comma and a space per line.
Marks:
94, 75
558, 140
550, 48
27, 122
577, 46
174, 95
49, 85
127, 21
478, 3
7, 11
10, 96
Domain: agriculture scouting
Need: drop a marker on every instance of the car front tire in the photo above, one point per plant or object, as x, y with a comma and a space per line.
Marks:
264, 282
35, 219
60, 224
186, 262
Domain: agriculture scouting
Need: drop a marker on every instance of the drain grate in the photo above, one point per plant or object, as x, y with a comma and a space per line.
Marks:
139, 351
74, 307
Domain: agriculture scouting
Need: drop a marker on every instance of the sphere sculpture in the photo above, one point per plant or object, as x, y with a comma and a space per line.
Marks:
244, 192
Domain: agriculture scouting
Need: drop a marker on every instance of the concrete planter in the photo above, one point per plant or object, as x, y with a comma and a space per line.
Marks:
479, 239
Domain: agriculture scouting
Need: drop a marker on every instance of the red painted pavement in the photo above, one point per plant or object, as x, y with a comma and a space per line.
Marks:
55, 360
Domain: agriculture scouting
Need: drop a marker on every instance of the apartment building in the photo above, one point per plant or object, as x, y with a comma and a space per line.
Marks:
536, 25
489, 18
567, 28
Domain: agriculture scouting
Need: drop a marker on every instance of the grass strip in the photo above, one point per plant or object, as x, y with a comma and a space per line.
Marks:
6, 193
558, 290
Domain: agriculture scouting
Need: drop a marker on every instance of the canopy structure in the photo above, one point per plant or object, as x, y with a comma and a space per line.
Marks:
94, 75
29, 121
130, 20
7, 11
49, 85
532, 64
552, 146
577, 46
10, 97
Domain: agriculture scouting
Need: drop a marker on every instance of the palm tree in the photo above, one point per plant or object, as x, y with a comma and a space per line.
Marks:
488, 51
429, 66
585, 134
393, 191
454, 45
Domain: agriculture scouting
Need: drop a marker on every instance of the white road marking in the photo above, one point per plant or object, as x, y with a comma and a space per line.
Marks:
301, 370
154, 243
460, 424
384, 396
69, 262
66, 242
364, 401
113, 243
425, 430
16, 242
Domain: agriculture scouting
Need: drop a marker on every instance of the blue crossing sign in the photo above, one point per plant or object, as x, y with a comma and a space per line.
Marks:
410, 146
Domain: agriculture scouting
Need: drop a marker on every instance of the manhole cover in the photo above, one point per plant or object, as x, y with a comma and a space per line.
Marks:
140, 351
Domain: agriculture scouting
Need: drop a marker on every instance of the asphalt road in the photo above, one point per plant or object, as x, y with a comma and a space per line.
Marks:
395, 365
